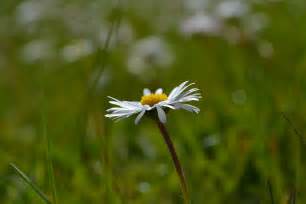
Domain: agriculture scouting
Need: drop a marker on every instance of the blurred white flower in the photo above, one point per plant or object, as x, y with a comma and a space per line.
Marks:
201, 24
31, 11
28, 12
231, 9
77, 50
151, 52
37, 50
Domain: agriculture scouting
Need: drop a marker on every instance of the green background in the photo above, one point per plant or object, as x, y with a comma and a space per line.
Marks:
60, 59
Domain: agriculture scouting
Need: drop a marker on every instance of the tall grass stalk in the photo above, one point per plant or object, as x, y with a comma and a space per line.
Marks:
292, 197
270, 189
28, 181
97, 67
47, 142
295, 130
101, 58
300, 140
176, 161
99, 64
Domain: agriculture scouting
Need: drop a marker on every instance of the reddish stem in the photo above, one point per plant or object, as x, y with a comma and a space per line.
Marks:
176, 161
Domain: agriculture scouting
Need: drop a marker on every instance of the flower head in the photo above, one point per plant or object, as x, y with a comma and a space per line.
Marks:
157, 101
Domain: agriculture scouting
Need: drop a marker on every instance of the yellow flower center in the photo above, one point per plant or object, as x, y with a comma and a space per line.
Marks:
153, 99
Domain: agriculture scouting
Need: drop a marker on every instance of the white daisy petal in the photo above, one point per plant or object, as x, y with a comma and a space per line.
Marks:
168, 106
185, 87
139, 116
165, 104
181, 94
146, 92
174, 92
181, 91
161, 114
115, 101
159, 91
127, 104
187, 107
191, 91
114, 115
123, 109
187, 99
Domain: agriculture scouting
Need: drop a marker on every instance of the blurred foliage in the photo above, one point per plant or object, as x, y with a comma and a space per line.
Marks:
64, 57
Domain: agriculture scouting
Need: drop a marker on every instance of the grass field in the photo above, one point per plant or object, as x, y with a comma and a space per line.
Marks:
59, 60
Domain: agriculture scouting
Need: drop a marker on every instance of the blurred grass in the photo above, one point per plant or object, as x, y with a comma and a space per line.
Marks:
49, 163
30, 183
229, 151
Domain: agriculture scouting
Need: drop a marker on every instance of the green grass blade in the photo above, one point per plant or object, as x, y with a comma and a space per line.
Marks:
270, 189
292, 197
49, 160
28, 181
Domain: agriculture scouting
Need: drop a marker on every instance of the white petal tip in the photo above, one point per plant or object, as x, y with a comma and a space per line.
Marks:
146, 91
161, 114
159, 91
139, 116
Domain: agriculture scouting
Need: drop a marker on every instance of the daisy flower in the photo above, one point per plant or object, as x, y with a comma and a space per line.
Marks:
156, 105
157, 101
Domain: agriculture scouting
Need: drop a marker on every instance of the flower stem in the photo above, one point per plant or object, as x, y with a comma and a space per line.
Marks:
176, 161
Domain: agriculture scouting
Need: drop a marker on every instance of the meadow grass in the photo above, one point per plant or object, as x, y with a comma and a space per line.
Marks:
245, 146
